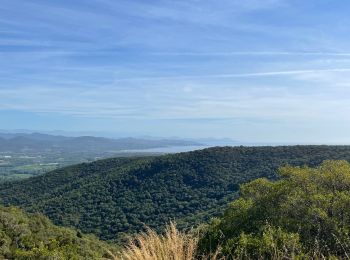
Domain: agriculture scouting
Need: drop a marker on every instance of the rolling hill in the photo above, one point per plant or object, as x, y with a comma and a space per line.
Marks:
113, 197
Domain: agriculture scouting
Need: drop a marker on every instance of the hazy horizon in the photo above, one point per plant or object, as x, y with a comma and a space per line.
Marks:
208, 141
274, 71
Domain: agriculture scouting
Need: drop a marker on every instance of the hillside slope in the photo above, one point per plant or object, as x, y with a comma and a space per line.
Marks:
116, 196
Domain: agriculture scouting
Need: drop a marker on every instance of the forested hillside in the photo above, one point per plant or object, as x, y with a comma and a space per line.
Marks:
33, 236
117, 196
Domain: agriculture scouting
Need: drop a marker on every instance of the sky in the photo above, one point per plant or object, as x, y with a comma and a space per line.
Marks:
254, 71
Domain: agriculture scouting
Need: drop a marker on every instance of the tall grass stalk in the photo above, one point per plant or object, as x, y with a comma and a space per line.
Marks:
173, 245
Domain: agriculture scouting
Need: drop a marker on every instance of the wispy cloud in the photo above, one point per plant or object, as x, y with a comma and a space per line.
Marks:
252, 53
181, 99
241, 75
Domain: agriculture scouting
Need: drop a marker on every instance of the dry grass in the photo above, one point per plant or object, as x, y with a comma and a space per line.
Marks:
173, 245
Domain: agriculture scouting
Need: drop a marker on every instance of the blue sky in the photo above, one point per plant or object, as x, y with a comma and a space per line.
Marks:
255, 71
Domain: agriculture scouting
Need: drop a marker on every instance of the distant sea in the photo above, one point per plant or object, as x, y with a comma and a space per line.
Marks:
172, 149
179, 149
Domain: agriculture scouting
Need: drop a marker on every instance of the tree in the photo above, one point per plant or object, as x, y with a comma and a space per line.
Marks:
306, 212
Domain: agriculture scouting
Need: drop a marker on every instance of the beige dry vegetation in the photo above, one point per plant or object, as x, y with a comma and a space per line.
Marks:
173, 245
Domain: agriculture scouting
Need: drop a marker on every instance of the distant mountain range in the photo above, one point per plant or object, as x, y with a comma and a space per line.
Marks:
38, 142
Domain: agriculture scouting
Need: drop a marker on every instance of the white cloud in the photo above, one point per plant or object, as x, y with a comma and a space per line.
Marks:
184, 99
242, 75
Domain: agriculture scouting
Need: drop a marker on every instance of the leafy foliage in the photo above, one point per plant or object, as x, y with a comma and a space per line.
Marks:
304, 214
28, 236
119, 196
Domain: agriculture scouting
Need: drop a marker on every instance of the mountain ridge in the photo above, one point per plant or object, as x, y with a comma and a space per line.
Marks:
40, 142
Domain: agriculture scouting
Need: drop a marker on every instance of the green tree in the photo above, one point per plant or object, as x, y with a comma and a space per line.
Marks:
305, 213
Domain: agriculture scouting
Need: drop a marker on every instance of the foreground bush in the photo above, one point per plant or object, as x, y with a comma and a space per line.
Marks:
306, 214
33, 236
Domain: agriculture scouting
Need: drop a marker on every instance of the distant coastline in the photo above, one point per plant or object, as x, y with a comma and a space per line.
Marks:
171, 149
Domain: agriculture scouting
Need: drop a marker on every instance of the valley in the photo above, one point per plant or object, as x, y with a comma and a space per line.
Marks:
26, 155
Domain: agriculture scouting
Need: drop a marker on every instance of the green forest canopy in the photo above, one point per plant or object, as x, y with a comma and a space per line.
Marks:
114, 197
